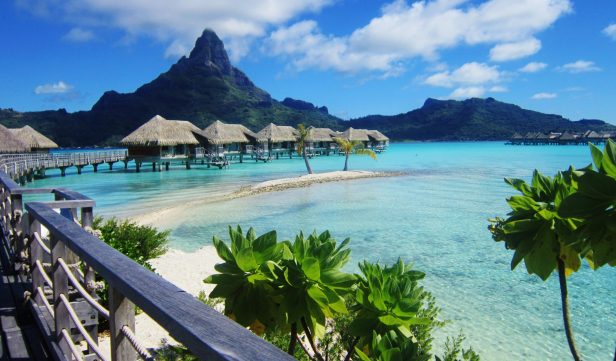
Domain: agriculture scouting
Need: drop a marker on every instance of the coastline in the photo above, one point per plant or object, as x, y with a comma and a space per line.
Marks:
275, 185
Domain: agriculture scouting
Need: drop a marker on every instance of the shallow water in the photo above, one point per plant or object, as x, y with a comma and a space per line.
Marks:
434, 217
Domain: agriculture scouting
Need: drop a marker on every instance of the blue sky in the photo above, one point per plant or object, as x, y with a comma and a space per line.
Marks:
355, 57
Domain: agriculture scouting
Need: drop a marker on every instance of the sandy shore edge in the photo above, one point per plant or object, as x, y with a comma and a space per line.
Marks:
276, 185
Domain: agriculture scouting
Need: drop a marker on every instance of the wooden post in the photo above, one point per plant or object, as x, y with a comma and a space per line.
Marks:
36, 254
153, 166
60, 287
121, 313
87, 221
95, 166
79, 167
138, 166
17, 213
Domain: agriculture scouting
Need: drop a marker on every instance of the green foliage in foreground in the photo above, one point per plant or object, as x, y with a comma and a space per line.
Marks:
139, 243
296, 295
557, 222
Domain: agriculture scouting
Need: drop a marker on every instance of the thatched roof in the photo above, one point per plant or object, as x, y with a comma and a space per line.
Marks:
159, 131
355, 135
32, 138
593, 135
320, 135
221, 133
377, 136
568, 136
9, 143
277, 133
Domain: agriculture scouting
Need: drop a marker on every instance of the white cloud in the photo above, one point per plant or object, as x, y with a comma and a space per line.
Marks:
468, 74
468, 92
498, 89
610, 31
55, 88
580, 66
79, 35
543, 96
533, 67
516, 50
421, 29
179, 23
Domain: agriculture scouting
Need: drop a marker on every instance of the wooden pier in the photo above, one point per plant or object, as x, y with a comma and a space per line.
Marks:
27, 165
51, 260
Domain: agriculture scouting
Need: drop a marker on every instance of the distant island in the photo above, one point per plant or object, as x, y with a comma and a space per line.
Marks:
205, 87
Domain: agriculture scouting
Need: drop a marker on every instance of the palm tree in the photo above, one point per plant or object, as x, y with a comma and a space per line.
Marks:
303, 133
356, 147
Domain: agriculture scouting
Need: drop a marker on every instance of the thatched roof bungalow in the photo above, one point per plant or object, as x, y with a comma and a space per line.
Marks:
162, 139
35, 140
378, 140
278, 138
320, 140
9, 143
229, 138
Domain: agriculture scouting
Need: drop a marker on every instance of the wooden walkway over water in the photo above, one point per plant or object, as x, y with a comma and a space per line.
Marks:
48, 303
28, 164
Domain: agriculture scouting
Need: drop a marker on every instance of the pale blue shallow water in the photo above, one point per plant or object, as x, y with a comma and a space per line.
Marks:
434, 217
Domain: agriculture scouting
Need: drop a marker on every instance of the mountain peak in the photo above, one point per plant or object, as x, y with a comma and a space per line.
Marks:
209, 50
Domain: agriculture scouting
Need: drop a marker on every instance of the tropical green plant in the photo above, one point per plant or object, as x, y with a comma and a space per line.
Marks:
312, 284
302, 139
246, 280
140, 243
349, 147
392, 346
454, 351
594, 203
296, 294
390, 299
539, 236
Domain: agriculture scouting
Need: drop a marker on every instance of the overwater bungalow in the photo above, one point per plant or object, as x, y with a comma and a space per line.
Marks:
9, 143
320, 141
229, 140
568, 138
378, 141
36, 141
277, 140
356, 135
162, 141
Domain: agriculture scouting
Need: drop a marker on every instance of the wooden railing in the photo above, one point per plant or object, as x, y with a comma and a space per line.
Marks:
59, 256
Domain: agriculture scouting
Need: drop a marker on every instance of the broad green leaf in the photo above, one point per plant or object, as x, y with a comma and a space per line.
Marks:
597, 155
223, 251
520, 185
609, 159
598, 186
246, 260
578, 205
522, 203
311, 268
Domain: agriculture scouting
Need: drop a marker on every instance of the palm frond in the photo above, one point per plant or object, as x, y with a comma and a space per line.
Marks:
368, 152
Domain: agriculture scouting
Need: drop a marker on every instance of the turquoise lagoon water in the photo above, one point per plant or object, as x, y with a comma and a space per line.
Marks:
434, 216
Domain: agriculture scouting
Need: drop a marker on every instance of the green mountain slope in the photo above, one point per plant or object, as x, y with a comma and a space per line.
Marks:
472, 119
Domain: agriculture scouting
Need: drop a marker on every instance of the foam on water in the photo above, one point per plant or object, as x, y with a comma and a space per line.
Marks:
434, 217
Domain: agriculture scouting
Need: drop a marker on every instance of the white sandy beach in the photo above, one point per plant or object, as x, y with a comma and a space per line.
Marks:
185, 270
155, 217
